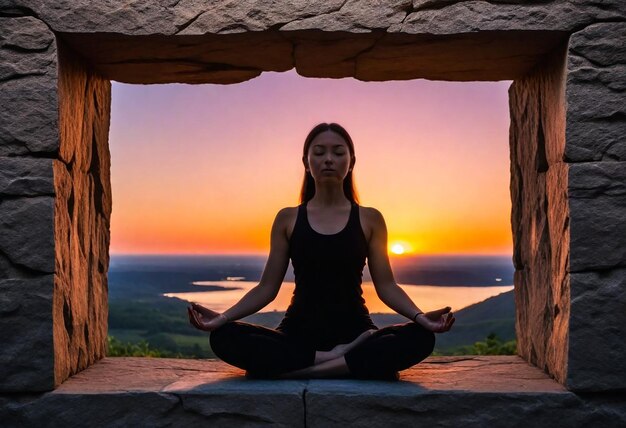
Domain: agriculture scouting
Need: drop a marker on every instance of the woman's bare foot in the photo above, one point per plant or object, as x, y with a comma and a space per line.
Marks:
341, 349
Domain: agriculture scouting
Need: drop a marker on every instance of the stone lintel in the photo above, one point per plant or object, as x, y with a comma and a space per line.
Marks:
375, 56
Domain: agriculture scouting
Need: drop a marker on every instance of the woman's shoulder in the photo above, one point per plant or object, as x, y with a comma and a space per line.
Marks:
370, 213
286, 219
287, 212
287, 215
371, 219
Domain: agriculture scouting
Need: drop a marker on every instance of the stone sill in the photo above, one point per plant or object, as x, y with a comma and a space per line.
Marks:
498, 391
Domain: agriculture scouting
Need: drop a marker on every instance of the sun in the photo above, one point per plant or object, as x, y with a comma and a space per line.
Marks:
401, 247
397, 249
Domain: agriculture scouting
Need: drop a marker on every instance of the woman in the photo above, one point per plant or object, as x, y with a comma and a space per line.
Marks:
327, 330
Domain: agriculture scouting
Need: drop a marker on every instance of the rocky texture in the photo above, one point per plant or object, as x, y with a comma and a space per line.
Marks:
382, 405
597, 339
25, 176
27, 233
540, 216
161, 392
451, 17
26, 361
28, 93
596, 88
597, 196
493, 391
82, 217
595, 129
597, 336
171, 17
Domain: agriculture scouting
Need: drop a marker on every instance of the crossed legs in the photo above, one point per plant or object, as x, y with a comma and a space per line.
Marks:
270, 353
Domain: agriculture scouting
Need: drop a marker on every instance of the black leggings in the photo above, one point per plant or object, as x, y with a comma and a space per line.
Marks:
265, 352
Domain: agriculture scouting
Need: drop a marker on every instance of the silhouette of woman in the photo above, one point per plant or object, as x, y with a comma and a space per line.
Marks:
326, 330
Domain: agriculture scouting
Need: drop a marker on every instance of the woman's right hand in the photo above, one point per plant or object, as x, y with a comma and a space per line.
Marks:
205, 319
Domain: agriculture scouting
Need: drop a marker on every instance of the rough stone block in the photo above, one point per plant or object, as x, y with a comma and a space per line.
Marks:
597, 337
29, 116
237, 17
27, 232
97, 410
601, 43
26, 357
25, 34
449, 17
596, 94
26, 176
354, 16
177, 17
377, 405
540, 217
8, 269
28, 70
26, 48
597, 199
607, 105
258, 403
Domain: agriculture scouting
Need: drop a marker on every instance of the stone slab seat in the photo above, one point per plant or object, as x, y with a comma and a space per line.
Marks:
155, 392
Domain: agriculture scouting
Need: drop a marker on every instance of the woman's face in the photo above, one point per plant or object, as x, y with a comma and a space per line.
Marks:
328, 157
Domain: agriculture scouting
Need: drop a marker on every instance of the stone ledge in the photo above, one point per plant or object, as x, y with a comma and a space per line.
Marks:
479, 390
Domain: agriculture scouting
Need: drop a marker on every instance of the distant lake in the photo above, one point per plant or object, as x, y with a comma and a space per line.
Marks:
219, 281
426, 297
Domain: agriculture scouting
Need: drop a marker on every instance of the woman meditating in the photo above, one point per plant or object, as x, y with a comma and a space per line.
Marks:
326, 330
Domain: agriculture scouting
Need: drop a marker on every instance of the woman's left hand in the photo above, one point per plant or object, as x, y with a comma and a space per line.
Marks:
438, 321
205, 319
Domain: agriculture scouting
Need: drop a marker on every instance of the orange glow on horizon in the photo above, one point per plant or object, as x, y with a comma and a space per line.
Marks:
203, 169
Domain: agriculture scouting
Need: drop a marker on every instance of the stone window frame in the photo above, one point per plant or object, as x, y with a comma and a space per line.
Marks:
566, 65
542, 75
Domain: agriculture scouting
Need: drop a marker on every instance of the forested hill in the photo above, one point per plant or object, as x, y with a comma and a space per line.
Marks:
474, 323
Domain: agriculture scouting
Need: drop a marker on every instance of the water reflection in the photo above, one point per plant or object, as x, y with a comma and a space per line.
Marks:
426, 297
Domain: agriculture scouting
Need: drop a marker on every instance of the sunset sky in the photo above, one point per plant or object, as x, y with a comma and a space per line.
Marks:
203, 169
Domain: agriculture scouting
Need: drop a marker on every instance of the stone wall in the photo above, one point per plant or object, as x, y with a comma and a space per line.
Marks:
55, 206
29, 139
82, 217
596, 150
540, 215
566, 57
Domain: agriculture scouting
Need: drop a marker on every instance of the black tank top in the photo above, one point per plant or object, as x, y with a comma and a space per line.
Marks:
327, 307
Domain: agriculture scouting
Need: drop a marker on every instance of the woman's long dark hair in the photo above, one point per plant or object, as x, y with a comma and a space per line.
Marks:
308, 183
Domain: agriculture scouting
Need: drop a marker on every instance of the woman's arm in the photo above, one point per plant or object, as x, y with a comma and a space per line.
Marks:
386, 287
267, 289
